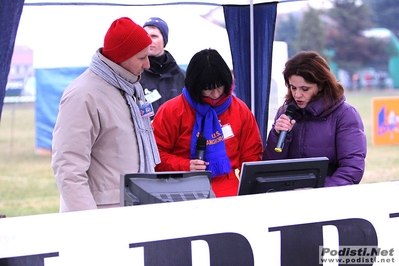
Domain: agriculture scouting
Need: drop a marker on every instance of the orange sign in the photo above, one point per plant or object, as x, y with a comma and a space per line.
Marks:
385, 121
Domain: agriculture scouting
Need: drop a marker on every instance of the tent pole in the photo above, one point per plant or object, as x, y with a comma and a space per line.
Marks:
251, 23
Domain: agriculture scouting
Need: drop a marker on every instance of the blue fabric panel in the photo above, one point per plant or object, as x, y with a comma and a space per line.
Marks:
50, 84
238, 28
10, 13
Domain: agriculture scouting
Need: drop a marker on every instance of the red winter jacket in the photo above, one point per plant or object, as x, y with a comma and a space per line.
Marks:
173, 125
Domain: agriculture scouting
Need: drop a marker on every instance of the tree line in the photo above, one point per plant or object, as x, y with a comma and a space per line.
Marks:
349, 34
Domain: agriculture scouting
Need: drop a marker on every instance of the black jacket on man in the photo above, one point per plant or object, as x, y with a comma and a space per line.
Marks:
165, 76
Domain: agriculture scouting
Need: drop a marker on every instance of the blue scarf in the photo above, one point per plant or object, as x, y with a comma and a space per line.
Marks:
207, 123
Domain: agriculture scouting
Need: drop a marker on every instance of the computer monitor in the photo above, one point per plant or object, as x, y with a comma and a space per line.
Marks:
282, 175
159, 187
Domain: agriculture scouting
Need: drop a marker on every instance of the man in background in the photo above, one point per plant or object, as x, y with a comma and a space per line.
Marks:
164, 79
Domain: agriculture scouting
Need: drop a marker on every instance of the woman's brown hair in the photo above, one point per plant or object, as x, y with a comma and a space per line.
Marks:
314, 69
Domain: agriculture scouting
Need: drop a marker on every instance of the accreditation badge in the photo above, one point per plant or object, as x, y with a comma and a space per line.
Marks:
146, 110
152, 96
227, 131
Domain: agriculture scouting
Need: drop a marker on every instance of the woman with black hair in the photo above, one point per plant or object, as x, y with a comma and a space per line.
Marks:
207, 108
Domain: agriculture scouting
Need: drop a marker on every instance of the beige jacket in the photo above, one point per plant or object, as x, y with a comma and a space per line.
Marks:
94, 142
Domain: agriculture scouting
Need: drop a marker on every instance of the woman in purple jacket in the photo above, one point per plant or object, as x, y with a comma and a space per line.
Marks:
322, 123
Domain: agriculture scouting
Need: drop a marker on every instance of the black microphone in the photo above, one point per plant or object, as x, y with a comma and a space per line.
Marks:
200, 147
290, 111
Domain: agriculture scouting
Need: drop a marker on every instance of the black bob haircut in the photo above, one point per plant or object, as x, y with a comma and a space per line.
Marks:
207, 70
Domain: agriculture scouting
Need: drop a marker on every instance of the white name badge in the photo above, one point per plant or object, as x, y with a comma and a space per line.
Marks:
227, 131
152, 96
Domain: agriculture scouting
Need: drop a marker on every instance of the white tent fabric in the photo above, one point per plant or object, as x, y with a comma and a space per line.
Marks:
72, 41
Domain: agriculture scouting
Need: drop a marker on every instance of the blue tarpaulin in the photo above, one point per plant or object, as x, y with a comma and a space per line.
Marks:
50, 84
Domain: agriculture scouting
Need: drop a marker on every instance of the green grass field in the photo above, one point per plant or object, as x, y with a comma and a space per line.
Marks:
27, 185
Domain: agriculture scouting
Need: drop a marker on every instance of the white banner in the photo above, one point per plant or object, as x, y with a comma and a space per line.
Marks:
304, 227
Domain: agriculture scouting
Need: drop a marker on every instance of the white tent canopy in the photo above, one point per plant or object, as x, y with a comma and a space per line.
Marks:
51, 31
59, 41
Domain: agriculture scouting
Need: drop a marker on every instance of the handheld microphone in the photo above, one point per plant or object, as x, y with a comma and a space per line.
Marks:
290, 111
200, 147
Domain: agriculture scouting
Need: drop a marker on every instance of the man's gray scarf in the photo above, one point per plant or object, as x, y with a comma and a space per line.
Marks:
133, 92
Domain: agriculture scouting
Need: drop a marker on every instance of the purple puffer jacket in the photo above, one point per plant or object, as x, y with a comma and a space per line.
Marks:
337, 134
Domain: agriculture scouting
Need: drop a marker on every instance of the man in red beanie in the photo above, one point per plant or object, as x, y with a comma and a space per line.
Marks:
103, 127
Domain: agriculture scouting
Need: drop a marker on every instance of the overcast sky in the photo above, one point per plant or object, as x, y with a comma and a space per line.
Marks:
293, 6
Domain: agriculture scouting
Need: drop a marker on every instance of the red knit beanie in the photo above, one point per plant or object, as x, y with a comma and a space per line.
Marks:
124, 39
